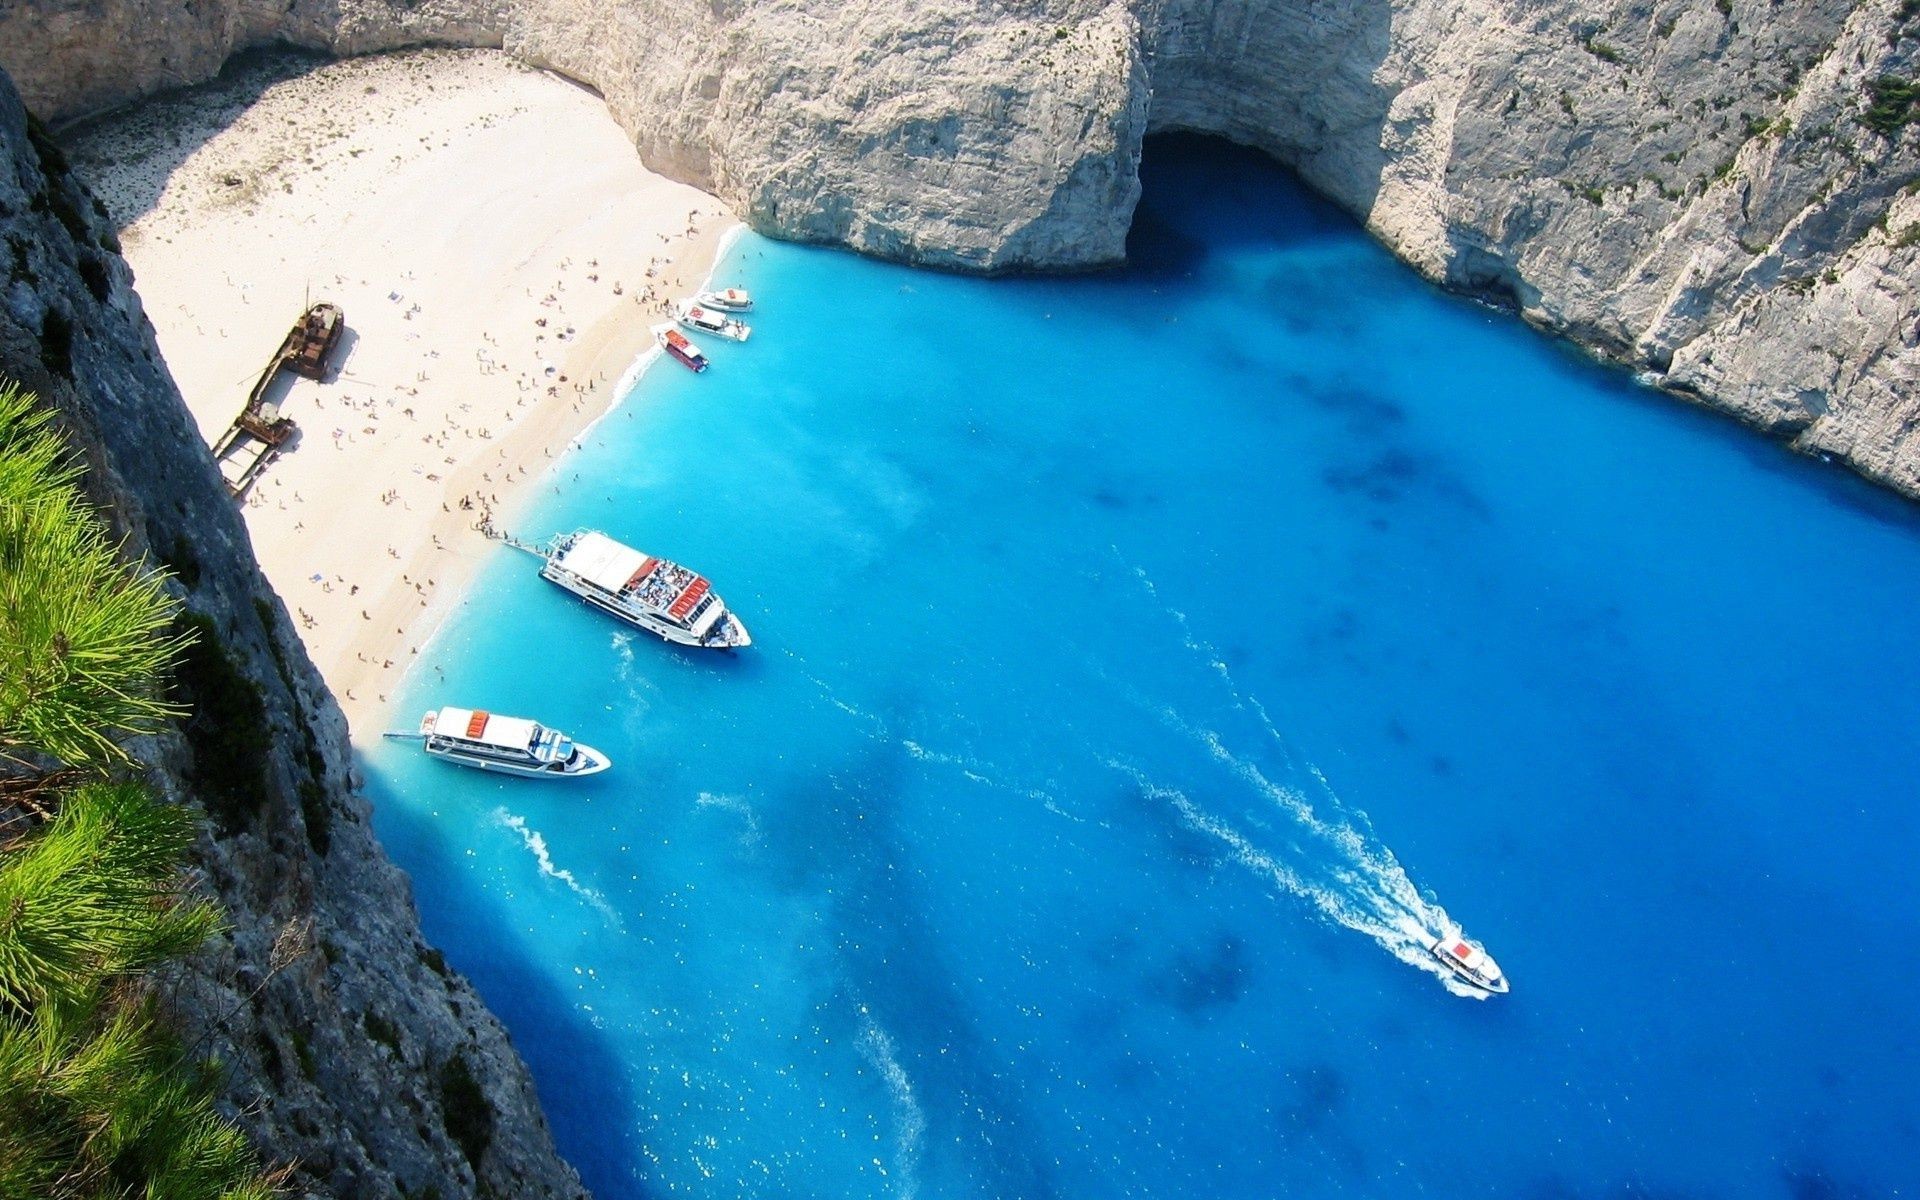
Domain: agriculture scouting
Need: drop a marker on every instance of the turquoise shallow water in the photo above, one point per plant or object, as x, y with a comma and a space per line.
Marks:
1140, 659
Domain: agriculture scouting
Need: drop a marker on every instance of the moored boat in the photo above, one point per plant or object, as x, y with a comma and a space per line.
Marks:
680, 346
661, 597
732, 299
1469, 961
695, 315
507, 745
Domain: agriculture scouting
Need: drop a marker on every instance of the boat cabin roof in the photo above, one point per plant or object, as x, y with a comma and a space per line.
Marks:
622, 570
605, 563
1465, 953
474, 725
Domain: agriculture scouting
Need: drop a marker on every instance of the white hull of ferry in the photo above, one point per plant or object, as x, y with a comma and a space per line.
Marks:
731, 299
680, 348
732, 637
487, 741
591, 762
705, 320
664, 598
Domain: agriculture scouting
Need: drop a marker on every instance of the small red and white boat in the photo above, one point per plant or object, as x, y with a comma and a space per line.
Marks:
732, 299
697, 316
514, 745
1469, 962
680, 346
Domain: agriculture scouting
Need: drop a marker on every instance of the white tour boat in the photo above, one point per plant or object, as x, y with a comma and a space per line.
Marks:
680, 346
1469, 961
731, 299
694, 315
510, 745
661, 597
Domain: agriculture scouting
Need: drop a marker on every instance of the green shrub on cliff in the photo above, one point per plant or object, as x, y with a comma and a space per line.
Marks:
98, 1098
1891, 104
82, 632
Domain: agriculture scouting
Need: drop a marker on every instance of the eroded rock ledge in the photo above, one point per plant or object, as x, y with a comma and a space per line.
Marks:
1686, 186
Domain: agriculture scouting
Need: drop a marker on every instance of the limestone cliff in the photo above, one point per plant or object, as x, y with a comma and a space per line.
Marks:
1716, 192
350, 1047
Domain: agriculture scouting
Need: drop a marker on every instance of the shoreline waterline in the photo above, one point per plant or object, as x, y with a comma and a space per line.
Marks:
491, 313
553, 440
703, 259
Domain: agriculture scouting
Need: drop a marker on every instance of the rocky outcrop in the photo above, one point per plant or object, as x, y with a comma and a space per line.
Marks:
350, 1048
1691, 187
68, 60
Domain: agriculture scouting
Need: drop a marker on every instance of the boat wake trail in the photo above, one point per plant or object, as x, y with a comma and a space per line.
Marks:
537, 844
749, 819
1324, 852
972, 769
910, 1121
1348, 878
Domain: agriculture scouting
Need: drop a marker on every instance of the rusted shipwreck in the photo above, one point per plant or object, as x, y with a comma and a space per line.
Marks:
259, 434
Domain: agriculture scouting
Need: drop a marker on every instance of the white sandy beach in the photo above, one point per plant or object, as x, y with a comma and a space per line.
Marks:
499, 253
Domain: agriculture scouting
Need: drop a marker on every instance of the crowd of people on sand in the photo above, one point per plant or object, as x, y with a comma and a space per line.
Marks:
363, 415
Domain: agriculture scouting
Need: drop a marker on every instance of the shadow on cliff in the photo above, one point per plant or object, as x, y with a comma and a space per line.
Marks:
161, 132
594, 1115
1299, 84
1204, 198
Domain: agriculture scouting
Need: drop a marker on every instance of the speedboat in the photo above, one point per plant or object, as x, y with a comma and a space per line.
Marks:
509, 745
1469, 962
677, 344
661, 597
732, 299
694, 315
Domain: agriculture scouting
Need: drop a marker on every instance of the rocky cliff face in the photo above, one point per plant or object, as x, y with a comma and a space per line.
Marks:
1718, 192
351, 1048
1693, 187
1715, 192
71, 59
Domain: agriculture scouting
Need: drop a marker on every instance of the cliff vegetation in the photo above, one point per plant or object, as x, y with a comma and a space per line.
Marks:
336, 1026
99, 1097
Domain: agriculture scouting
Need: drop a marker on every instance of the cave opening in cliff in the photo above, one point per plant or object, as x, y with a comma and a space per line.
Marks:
1202, 195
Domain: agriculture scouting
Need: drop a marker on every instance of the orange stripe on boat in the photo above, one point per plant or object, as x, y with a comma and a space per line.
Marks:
684, 603
646, 569
476, 724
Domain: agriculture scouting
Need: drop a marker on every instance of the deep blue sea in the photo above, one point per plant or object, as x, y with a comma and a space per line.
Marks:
1143, 660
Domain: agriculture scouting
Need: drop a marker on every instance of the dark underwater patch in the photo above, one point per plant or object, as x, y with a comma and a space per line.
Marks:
1157, 248
1365, 413
1317, 1093
1816, 1183
1396, 475
1200, 980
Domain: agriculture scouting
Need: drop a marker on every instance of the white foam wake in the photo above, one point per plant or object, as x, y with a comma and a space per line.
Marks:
749, 819
910, 1122
537, 844
1339, 866
1349, 882
972, 769
1215, 661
